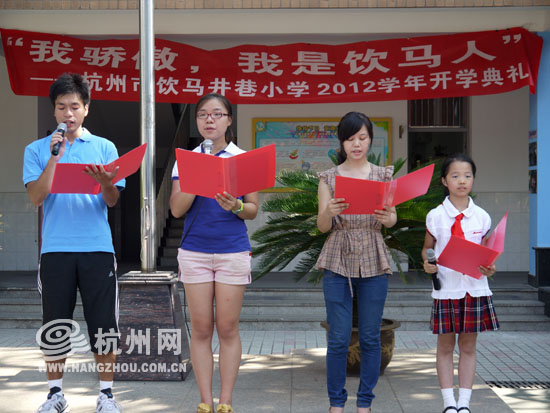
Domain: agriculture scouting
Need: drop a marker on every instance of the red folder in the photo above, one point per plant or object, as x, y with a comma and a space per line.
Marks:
207, 175
365, 196
69, 178
466, 256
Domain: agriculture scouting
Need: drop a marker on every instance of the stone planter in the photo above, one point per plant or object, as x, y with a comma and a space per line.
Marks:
387, 340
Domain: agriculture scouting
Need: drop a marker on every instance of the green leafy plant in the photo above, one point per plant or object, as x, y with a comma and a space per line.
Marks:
292, 230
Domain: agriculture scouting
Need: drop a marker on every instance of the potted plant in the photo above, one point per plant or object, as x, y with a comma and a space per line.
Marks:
292, 230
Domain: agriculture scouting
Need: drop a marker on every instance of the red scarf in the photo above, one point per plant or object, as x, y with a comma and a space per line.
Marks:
456, 229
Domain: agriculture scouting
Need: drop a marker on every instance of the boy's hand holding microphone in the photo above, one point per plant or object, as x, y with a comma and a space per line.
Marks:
58, 141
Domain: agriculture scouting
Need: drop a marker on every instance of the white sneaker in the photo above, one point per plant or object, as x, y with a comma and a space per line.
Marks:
56, 403
106, 404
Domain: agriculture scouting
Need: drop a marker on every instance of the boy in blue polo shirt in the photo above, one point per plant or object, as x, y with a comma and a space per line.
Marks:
77, 249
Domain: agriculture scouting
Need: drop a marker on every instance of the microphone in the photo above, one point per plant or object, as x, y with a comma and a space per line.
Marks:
207, 146
60, 128
430, 256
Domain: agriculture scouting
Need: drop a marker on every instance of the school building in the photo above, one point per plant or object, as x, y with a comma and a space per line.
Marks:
507, 134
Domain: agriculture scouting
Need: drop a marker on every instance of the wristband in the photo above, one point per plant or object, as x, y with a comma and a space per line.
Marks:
240, 209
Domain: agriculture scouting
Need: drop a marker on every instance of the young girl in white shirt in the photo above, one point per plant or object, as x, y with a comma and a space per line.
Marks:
463, 305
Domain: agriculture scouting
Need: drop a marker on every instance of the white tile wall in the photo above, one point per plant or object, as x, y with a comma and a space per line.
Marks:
19, 236
516, 248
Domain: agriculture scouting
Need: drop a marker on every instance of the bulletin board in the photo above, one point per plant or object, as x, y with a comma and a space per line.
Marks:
311, 144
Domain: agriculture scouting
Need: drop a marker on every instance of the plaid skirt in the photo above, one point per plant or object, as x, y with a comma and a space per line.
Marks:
465, 315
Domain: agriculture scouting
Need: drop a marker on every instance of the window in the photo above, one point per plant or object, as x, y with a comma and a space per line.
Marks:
437, 128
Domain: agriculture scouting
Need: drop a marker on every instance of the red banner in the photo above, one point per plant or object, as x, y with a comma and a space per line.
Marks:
464, 64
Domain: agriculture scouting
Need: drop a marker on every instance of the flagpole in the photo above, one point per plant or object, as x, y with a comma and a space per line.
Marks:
147, 133
138, 290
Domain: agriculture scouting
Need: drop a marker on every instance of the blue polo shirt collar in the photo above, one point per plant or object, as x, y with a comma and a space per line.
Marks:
86, 135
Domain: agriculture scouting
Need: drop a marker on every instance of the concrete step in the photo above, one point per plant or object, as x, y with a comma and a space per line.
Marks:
282, 324
514, 322
508, 322
530, 293
20, 292
394, 293
18, 320
311, 292
306, 311
400, 293
254, 305
31, 310
412, 290
166, 252
172, 242
169, 262
517, 307
176, 223
173, 232
277, 302
298, 322
247, 321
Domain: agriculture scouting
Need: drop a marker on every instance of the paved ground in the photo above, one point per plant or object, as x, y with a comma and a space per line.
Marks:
283, 371
501, 356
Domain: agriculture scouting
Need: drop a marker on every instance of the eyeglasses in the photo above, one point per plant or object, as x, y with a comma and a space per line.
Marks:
215, 115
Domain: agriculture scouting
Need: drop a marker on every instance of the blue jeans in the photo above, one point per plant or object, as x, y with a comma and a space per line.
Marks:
371, 295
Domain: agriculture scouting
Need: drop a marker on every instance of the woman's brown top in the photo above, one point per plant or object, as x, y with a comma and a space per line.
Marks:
355, 246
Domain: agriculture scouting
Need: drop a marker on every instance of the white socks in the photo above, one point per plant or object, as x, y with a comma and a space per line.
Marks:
464, 397
56, 383
448, 397
104, 385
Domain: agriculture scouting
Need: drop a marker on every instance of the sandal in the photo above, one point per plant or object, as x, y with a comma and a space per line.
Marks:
224, 408
204, 408
464, 409
450, 408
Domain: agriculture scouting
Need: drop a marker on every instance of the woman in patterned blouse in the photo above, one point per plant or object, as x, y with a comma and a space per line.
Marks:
355, 260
